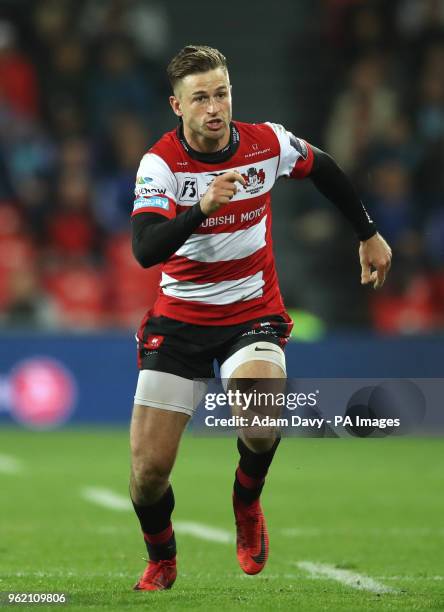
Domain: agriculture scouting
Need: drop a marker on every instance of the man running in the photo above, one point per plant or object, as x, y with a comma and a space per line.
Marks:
203, 209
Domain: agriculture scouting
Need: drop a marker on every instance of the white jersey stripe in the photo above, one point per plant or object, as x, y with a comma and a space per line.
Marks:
224, 292
289, 154
259, 175
226, 246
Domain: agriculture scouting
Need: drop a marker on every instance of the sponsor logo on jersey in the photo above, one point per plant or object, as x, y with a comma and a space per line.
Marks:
254, 180
142, 191
221, 220
252, 214
257, 152
210, 176
143, 180
189, 192
151, 203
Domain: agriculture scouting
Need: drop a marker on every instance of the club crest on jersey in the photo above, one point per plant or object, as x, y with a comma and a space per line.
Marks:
189, 192
254, 180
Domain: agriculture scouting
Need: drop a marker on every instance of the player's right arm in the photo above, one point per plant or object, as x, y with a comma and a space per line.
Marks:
157, 232
155, 238
220, 192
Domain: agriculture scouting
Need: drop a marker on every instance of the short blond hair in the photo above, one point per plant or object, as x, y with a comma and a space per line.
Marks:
193, 59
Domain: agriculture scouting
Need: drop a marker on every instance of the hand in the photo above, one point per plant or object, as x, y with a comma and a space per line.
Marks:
221, 190
377, 253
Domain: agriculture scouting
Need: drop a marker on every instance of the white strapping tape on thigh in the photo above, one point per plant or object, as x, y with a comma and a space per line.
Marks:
267, 351
168, 391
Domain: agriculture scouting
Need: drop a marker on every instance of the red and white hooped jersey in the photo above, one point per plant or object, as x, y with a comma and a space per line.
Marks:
224, 273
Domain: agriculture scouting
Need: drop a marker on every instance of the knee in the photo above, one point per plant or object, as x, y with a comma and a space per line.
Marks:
259, 445
149, 476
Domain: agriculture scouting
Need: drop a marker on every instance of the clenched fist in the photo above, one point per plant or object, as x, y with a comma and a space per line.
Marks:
221, 190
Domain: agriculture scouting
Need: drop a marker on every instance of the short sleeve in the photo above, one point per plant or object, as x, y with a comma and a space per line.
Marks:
155, 189
296, 155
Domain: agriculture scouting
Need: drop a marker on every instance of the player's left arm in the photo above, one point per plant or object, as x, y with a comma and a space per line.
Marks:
299, 160
333, 183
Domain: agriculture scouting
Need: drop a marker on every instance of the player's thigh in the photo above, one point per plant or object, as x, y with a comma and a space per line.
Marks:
257, 368
254, 364
155, 436
262, 381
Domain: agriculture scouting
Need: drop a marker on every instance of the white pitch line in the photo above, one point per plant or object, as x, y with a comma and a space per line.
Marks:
411, 578
113, 501
203, 532
9, 465
57, 573
351, 579
106, 498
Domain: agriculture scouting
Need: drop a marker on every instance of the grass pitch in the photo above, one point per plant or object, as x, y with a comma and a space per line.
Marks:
370, 507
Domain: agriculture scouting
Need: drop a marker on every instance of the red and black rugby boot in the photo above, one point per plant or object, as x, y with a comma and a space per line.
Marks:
158, 576
252, 536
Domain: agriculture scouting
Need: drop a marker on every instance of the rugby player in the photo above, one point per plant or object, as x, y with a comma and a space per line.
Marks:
203, 209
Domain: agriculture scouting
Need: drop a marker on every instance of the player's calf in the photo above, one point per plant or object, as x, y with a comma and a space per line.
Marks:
158, 534
155, 437
253, 468
251, 531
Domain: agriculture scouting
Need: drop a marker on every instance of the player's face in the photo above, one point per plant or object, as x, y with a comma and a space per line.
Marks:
203, 101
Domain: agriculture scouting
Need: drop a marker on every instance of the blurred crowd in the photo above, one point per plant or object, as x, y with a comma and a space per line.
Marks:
369, 90
82, 88
386, 129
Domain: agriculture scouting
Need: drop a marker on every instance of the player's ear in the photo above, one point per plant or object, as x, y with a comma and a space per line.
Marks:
175, 105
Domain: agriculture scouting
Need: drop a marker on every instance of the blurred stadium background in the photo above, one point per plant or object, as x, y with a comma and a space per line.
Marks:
83, 94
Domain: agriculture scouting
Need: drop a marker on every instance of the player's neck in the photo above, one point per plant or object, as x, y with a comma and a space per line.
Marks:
205, 145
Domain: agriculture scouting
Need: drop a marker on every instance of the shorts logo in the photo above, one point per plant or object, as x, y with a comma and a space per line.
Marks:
189, 190
153, 342
265, 332
143, 180
254, 180
151, 203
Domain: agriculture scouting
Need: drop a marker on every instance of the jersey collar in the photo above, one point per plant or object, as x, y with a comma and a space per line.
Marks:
211, 158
